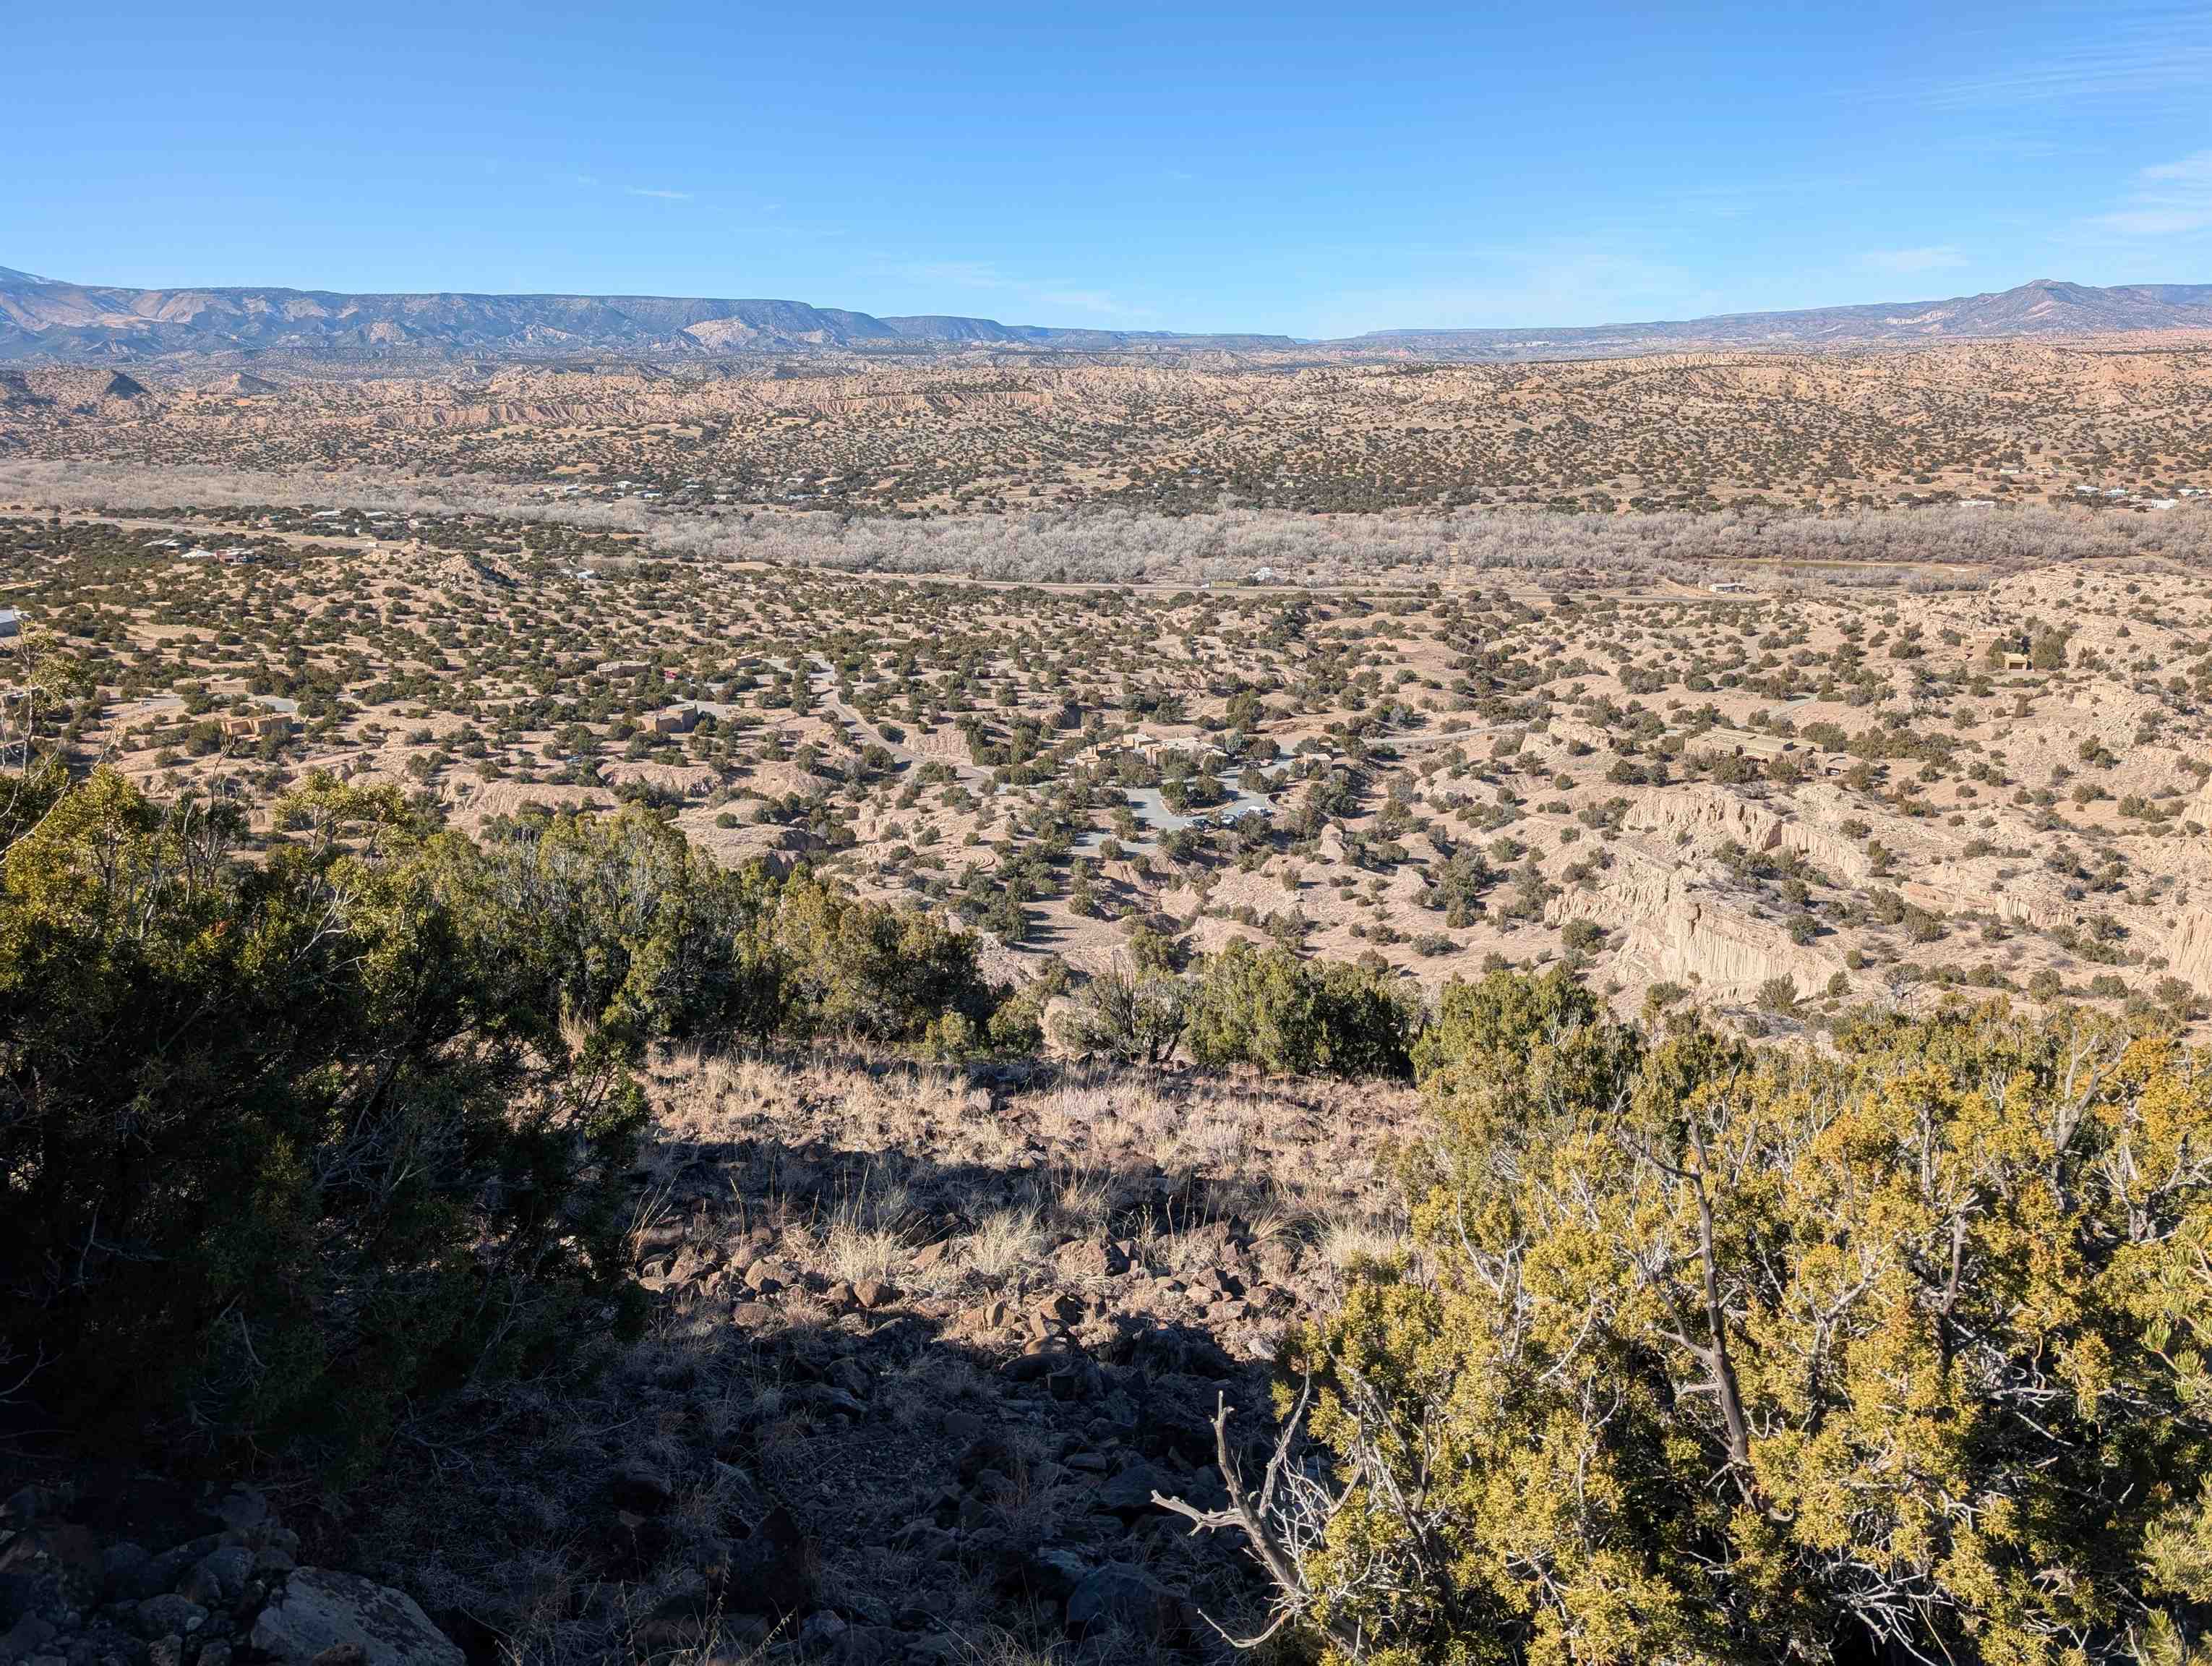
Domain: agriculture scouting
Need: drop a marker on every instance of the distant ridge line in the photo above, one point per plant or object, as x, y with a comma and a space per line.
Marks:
51, 319
2046, 307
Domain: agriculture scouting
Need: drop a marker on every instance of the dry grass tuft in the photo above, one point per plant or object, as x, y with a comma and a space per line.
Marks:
1006, 1244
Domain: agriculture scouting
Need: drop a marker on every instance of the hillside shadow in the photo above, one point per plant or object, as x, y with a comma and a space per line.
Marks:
903, 1475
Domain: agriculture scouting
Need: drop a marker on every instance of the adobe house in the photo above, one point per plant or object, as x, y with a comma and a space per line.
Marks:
1148, 747
256, 725
1999, 650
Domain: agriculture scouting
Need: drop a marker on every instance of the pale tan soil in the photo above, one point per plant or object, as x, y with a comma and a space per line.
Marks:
2053, 834
2003, 420
1553, 693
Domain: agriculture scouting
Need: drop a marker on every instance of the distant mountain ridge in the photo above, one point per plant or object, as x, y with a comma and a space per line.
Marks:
2046, 307
47, 318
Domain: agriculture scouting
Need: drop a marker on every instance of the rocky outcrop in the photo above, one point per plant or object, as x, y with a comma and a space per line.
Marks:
223, 1583
319, 1610
1722, 951
1841, 858
781, 849
1120, 1596
2027, 900
481, 801
1637, 885
1705, 817
2188, 950
1573, 732
1683, 926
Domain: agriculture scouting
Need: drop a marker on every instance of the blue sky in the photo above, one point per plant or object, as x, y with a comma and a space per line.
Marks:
1309, 169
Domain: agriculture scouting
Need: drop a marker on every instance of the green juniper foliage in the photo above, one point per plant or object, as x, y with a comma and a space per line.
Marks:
291, 1140
1711, 1355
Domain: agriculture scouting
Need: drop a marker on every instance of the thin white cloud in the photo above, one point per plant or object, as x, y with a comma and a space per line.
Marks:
2143, 52
583, 181
663, 196
2010, 145
2171, 200
1936, 257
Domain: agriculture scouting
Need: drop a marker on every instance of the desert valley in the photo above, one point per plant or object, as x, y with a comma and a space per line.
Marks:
822, 957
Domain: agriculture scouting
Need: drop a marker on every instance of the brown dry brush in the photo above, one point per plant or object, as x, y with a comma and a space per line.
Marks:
1122, 546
